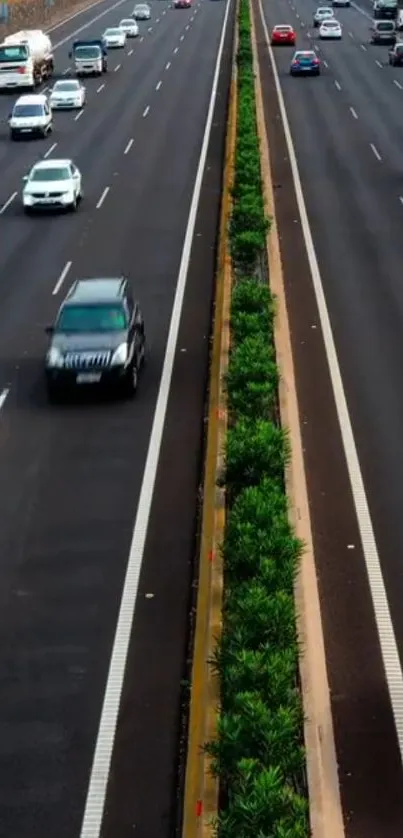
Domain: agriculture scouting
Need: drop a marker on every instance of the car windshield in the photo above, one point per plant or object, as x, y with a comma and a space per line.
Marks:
141, 8
47, 174
331, 24
126, 23
112, 33
304, 55
28, 110
65, 86
87, 52
283, 28
13, 53
399, 48
385, 27
91, 318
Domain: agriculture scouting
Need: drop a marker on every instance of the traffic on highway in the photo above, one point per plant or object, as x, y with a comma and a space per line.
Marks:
109, 210
335, 150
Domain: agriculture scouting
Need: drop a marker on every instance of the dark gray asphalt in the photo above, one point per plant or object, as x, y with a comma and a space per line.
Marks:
70, 477
356, 219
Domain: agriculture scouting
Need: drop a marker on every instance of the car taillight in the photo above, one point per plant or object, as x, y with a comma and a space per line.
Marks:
21, 70
316, 60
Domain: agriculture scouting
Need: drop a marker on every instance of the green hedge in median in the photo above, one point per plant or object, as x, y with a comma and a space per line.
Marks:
258, 754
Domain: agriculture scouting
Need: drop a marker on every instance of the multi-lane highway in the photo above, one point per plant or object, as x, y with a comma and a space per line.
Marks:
347, 128
79, 483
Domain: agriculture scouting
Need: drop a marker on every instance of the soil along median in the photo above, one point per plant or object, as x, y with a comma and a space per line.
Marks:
259, 754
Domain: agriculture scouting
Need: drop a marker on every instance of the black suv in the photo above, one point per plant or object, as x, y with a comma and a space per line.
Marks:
98, 338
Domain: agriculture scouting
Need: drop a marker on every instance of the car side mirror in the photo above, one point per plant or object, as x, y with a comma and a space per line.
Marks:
49, 330
25, 178
10, 116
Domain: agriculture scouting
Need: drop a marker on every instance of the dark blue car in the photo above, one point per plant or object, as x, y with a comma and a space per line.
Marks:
305, 62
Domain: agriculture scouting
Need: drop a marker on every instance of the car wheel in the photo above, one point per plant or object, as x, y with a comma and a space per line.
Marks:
13, 135
28, 210
73, 206
132, 379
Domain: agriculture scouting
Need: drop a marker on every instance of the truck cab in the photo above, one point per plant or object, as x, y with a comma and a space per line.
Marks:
89, 57
385, 9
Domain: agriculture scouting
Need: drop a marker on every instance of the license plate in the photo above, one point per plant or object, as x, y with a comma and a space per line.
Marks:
88, 377
26, 130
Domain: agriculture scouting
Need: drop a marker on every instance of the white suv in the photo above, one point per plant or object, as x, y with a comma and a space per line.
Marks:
31, 115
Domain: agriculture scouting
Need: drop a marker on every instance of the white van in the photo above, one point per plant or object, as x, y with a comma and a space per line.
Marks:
31, 115
399, 20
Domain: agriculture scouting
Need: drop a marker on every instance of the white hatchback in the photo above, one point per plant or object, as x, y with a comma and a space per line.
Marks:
330, 29
129, 26
68, 94
321, 14
52, 184
142, 12
114, 37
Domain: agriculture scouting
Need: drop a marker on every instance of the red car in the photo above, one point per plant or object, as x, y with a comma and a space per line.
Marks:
283, 34
182, 4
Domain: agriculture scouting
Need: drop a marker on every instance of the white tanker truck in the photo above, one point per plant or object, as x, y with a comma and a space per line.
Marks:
26, 60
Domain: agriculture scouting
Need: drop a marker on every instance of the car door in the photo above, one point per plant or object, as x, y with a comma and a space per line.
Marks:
47, 113
75, 174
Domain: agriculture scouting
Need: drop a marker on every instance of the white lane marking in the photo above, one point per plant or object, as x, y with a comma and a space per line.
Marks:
142, 38
400, 199
187, 27
44, 89
337, 84
49, 151
353, 113
101, 87
130, 52
150, 29
158, 20
102, 198
167, 65
378, 63
390, 655
176, 50
3, 396
376, 152
397, 83
8, 202
76, 118
157, 86
325, 63
118, 66
128, 147
363, 47
181, 37
62, 277
146, 110
95, 802
64, 73
89, 23
351, 35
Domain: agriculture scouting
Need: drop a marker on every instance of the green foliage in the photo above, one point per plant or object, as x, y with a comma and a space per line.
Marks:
258, 754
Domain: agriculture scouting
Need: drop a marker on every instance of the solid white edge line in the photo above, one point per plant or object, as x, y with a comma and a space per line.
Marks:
8, 202
62, 277
390, 656
95, 802
89, 23
102, 198
3, 395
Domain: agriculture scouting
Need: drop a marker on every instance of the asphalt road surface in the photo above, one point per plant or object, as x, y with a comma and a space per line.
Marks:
347, 128
71, 476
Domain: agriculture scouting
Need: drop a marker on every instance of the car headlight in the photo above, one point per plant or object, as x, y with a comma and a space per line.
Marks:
119, 357
54, 357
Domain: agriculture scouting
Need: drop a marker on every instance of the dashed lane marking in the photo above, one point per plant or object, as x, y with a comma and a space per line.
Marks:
146, 111
49, 151
102, 198
8, 202
376, 152
62, 277
128, 147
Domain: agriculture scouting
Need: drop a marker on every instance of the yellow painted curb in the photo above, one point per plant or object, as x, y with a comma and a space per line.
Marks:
323, 784
200, 808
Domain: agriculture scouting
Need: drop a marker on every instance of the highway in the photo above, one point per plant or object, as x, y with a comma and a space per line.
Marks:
79, 483
347, 128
